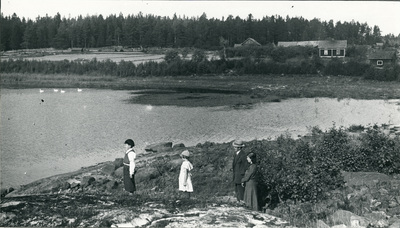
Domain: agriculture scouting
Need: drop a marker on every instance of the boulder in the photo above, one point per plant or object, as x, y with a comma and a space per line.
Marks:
65, 186
58, 185
108, 169
395, 127
159, 147
175, 163
75, 185
146, 174
5, 191
396, 224
347, 218
119, 173
87, 180
339, 226
118, 162
178, 146
112, 185
321, 224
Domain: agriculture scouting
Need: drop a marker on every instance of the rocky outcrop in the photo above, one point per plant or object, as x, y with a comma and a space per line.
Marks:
372, 194
213, 216
107, 175
159, 147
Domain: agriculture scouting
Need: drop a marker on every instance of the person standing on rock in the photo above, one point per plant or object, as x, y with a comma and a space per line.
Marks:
129, 166
250, 182
185, 176
239, 166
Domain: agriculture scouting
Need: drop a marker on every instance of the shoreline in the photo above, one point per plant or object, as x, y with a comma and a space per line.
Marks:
216, 90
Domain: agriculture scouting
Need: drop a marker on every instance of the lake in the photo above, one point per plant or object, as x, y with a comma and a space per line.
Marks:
48, 133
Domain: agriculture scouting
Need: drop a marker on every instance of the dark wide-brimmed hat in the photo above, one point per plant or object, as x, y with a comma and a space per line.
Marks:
238, 143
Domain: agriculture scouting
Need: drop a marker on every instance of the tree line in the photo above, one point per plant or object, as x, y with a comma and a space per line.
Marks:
156, 31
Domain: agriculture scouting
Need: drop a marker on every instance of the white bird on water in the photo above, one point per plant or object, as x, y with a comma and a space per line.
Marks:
62, 91
55, 90
79, 90
41, 91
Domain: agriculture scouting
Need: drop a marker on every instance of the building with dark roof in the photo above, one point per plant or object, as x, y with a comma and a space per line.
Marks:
381, 57
326, 48
248, 42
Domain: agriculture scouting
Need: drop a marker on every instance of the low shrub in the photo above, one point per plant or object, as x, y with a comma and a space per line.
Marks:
296, 170
390, 73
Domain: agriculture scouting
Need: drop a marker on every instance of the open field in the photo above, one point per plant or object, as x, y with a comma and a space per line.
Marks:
135, 57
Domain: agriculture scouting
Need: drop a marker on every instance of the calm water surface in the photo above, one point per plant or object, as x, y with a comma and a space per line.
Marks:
43, 134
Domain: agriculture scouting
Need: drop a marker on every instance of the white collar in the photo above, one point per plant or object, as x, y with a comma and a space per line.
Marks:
130, 149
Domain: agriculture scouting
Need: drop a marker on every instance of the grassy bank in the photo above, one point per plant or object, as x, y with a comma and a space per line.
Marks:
215, 90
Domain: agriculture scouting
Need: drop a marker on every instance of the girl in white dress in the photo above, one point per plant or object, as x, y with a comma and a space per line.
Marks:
185, 176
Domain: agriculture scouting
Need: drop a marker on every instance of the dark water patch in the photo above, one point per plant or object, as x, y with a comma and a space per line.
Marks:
152, 92
192, 97
188, 90
194, 100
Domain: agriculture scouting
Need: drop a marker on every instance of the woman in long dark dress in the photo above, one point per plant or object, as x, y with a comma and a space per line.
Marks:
250, 183
129, 166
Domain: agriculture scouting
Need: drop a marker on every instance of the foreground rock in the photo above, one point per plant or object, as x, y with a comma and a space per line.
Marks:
213, 216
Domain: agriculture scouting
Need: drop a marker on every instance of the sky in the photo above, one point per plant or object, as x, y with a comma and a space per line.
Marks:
384, 14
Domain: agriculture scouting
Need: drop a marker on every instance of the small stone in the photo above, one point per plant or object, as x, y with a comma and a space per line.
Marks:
87, 180
339, 226
112, 185
321, 224
140, 222
383, 191
393, 203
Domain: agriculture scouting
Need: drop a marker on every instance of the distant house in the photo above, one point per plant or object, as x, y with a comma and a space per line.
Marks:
380, 57
298, 43
332, 48
248, 42
326, 48
75, 50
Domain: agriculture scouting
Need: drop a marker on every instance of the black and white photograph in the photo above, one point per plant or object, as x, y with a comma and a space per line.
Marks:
138, 113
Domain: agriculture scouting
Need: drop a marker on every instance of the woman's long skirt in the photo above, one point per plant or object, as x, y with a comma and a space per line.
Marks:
250, 195
129, 182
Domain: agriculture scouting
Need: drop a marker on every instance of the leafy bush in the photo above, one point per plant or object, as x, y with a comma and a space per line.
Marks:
382, 154
334, 67
171, 56
295, 170
199, 56
390, 73
355, 128
355, 68
304, 171
279, 55
358, 52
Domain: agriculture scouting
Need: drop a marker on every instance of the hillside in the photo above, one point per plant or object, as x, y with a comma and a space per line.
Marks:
94, 196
